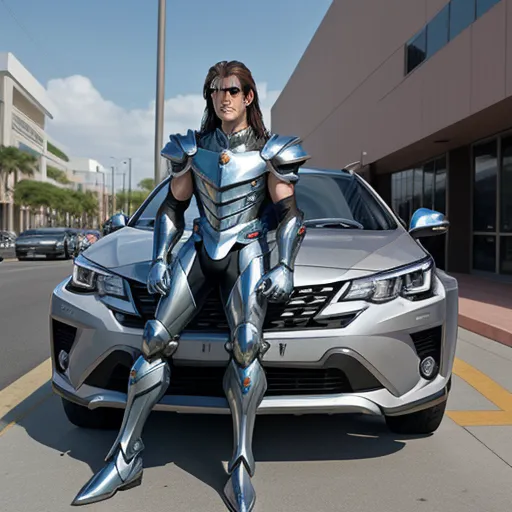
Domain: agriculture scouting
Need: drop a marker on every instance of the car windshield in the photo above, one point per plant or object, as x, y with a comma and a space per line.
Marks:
340, 201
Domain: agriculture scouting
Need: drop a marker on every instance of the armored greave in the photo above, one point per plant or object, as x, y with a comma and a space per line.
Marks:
244, 381
149, 379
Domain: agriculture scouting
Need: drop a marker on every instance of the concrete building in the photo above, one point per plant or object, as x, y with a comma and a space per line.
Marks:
424, 88
24, 107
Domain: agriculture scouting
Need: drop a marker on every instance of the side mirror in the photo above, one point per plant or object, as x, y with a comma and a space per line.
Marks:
426, 222
117, 221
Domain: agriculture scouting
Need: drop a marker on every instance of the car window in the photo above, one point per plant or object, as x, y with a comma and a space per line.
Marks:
319, 196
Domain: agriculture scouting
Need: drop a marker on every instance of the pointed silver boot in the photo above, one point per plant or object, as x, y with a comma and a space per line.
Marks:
239, 492
117, 475
148, 382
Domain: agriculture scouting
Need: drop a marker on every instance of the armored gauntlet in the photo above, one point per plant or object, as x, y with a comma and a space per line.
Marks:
277, 285
169, 228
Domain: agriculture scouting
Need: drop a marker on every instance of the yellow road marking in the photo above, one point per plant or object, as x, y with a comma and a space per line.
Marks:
14, 394
491, 390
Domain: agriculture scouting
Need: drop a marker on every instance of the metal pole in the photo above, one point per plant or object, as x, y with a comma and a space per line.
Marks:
124, 192
113, 193
160, 80
130, 187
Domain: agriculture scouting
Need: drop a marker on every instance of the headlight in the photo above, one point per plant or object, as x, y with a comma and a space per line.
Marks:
89, 278
412, 282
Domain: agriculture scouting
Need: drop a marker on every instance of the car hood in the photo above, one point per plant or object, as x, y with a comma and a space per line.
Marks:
128, 252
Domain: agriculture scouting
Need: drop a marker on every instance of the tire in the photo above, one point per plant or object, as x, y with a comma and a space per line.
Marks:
101, 418
421, 422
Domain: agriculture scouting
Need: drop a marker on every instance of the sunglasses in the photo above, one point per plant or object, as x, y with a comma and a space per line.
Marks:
233, 91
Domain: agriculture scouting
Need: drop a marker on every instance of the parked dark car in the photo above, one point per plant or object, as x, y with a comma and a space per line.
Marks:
47, 242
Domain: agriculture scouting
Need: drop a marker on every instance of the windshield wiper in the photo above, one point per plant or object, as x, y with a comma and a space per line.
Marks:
334, 222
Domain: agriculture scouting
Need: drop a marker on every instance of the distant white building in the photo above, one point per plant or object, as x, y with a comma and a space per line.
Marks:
24, 109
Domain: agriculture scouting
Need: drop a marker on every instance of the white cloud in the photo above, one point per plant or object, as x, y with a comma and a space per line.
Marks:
87, 125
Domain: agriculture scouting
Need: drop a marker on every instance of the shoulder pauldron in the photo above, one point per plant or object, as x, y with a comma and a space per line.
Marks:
178, 151
284, 156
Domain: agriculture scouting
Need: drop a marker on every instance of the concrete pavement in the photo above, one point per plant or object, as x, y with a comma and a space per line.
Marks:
326, 463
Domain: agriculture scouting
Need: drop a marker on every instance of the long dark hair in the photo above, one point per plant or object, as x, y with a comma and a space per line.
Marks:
222, 69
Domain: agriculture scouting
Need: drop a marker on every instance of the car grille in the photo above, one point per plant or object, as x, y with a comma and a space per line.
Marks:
207, 380
298, 313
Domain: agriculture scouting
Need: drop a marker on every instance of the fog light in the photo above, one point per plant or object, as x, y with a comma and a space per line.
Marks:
63, 360
428, 367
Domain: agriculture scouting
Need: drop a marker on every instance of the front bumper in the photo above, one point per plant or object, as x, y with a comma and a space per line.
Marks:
40, 250
379, 351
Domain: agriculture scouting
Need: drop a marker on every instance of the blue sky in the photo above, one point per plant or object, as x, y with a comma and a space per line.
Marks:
102, 53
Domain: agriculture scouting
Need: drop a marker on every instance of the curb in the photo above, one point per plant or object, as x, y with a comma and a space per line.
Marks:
486, 330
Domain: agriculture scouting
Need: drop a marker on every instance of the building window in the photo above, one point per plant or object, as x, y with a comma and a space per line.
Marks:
484, 253
446, 25
485, 157
482, 6
423, 186
506, 186
437, 31
416, 50
462, 14
492, 206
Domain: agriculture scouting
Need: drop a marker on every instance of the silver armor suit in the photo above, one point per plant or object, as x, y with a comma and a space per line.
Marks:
228, 249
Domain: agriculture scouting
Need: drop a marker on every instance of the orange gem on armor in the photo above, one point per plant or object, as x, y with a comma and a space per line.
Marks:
247, 382
301, 231
224, 158
253, 235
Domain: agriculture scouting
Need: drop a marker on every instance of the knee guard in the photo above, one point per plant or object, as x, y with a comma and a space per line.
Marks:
246, 344
157, 341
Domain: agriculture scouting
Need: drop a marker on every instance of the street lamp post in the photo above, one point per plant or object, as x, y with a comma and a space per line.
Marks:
160, 81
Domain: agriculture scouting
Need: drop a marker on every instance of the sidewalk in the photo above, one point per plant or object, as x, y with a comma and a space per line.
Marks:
485, 307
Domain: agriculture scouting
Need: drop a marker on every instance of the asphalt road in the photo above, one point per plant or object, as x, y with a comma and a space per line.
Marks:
25, 290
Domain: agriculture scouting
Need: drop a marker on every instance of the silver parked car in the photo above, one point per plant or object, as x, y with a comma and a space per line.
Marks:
371, 326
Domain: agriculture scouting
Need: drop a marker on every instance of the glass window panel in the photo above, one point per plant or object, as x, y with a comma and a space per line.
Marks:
428, 185
484, 253
437, 31
482, 6
409, 177
506, 255
416, 50
403, 201
484, 186
506, 186
394, 192
417, 199
462, 14
440, 185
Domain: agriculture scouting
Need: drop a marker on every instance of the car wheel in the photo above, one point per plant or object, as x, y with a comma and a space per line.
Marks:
421, 422
101, 418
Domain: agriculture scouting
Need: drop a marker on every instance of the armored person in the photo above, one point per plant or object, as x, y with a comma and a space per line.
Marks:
243, 179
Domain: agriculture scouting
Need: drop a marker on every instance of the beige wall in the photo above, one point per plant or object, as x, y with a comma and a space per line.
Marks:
24, 105
349, 94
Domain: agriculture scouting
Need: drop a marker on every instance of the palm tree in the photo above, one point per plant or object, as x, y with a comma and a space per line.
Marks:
14, 160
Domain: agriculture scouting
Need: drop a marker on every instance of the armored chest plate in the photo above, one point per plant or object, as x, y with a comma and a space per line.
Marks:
231, 186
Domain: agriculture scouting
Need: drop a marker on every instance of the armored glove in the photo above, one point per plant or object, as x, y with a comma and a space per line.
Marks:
159, 279
277, 285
